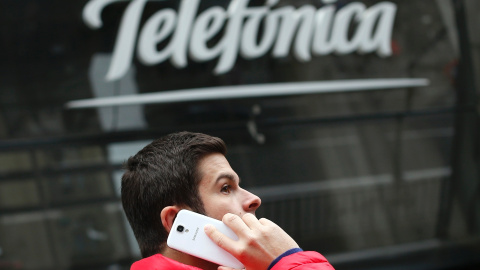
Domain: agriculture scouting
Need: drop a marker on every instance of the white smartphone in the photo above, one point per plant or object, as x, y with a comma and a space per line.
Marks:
187, 235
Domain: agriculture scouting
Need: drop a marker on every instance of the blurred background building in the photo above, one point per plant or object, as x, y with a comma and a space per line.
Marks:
356, 122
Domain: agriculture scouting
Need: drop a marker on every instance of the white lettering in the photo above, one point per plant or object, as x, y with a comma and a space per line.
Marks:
123, 50
302, 21
384, 14
231, 40
322, 38
250, 49
188, 9
207, 25
353, 28
156, 29
286, 32
159, 26
343, 20
304, 35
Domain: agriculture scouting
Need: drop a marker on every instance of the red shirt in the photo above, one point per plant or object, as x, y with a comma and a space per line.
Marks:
160, 262
305, 260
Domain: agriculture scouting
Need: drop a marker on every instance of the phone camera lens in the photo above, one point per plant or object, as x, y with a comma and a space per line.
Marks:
180, 228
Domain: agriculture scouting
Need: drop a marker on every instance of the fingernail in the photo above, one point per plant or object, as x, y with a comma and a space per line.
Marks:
208, 228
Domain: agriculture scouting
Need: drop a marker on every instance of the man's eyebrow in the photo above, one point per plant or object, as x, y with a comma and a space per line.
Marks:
228, 176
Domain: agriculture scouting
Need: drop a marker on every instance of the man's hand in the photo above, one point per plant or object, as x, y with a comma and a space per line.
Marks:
259, 241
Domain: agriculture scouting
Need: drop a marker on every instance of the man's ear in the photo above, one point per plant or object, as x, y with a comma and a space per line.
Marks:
168, 215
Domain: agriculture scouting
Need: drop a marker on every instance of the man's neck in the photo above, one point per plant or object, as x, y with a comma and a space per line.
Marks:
188, 259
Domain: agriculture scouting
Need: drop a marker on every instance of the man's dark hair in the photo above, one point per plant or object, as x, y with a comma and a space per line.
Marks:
164, 173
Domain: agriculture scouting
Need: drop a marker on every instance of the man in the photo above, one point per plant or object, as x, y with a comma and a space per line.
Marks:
189, 171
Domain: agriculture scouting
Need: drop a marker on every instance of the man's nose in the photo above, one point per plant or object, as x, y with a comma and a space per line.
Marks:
251, 202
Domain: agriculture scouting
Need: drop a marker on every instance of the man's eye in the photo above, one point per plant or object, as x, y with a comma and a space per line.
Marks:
226, 189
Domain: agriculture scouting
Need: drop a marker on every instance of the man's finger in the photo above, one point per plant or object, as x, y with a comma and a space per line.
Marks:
235, 223
226, 268
219, 238
266, 222
251, 221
